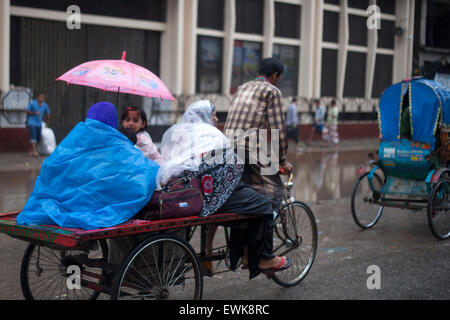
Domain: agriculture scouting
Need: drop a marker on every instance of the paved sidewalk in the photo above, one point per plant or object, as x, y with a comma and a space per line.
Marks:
370, 144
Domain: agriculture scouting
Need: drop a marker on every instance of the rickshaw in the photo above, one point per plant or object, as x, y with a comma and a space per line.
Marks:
411, 169
163, 265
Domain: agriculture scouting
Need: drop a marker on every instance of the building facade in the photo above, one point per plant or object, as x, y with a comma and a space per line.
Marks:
342, 49
432, 42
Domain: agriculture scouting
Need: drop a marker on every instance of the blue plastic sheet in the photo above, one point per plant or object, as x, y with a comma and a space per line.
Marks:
95, 178
425, 108
390, 107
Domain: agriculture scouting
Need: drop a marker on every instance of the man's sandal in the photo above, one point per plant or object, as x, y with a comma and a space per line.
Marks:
279, 267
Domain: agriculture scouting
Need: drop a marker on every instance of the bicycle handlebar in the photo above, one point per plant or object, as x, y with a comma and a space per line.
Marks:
291, 175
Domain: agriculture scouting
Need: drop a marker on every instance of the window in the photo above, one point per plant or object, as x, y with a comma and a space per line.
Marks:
386, 35
359, 4
249, 16
383, 74
209, 65
386, 6
330, 26
137, 9
355, 75
289, 57
210, 14
287, 20
329, 72
336, 2
437, 25
246, 59
358, 30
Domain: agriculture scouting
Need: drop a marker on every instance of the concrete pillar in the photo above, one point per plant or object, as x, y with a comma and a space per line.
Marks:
172, 47
372, 41
4, 44
344, 35
189, 50
404, 43
228, 44
269, 28
308, 49
316, 60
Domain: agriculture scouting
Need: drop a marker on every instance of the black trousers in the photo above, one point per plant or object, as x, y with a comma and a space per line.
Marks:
257, 235
292, 132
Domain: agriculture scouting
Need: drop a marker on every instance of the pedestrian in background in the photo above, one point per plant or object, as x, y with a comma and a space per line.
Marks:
292, 123
331, 133
318, 122
35, 112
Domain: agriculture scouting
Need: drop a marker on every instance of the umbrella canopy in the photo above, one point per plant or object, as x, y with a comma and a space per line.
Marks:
118, 76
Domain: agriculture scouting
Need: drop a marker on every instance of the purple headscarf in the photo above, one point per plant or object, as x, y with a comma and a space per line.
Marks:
104, 112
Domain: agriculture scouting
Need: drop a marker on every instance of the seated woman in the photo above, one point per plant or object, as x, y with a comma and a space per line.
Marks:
194, 147
81, 184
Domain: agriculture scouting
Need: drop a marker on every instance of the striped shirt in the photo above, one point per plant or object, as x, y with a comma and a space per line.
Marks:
257, 105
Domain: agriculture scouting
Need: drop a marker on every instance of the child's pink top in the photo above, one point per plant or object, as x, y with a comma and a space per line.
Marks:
145, 144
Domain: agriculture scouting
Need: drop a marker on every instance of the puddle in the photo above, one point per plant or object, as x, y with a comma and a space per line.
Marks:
326, 175
15, 188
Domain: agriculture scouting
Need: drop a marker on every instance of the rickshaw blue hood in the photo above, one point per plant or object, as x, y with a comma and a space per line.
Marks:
427, 99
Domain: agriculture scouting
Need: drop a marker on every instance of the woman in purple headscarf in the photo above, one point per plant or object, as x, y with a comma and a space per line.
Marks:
95, 178
104, 112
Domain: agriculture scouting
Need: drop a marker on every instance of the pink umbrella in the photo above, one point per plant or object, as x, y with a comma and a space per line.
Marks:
118, 76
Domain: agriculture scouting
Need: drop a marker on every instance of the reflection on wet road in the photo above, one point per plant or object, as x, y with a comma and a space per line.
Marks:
318, 176
326, 175
15, 188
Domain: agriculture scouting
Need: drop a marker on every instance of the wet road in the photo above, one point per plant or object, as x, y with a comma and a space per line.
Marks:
412, 263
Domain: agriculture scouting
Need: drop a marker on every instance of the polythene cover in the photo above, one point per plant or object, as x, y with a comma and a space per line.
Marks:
95, 178
185, 144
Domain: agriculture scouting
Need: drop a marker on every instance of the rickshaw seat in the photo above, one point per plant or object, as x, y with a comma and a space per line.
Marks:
405, 159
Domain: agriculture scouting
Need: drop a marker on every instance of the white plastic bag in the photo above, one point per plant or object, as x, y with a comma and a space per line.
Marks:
48, 142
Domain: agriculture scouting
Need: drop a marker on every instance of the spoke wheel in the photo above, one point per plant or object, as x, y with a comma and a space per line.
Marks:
161, 267
299, 239
365, 211
44, 275
438, 209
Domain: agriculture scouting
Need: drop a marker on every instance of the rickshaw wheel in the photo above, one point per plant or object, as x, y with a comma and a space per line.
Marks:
161, 267
299, 234
364, 211
438, 209
44, 276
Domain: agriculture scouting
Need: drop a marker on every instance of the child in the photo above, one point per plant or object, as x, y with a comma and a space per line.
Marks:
135, 119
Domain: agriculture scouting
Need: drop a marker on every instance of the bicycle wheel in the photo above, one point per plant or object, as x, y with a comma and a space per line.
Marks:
438, 209
44, 273
299, 243
364, 210
161, 267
